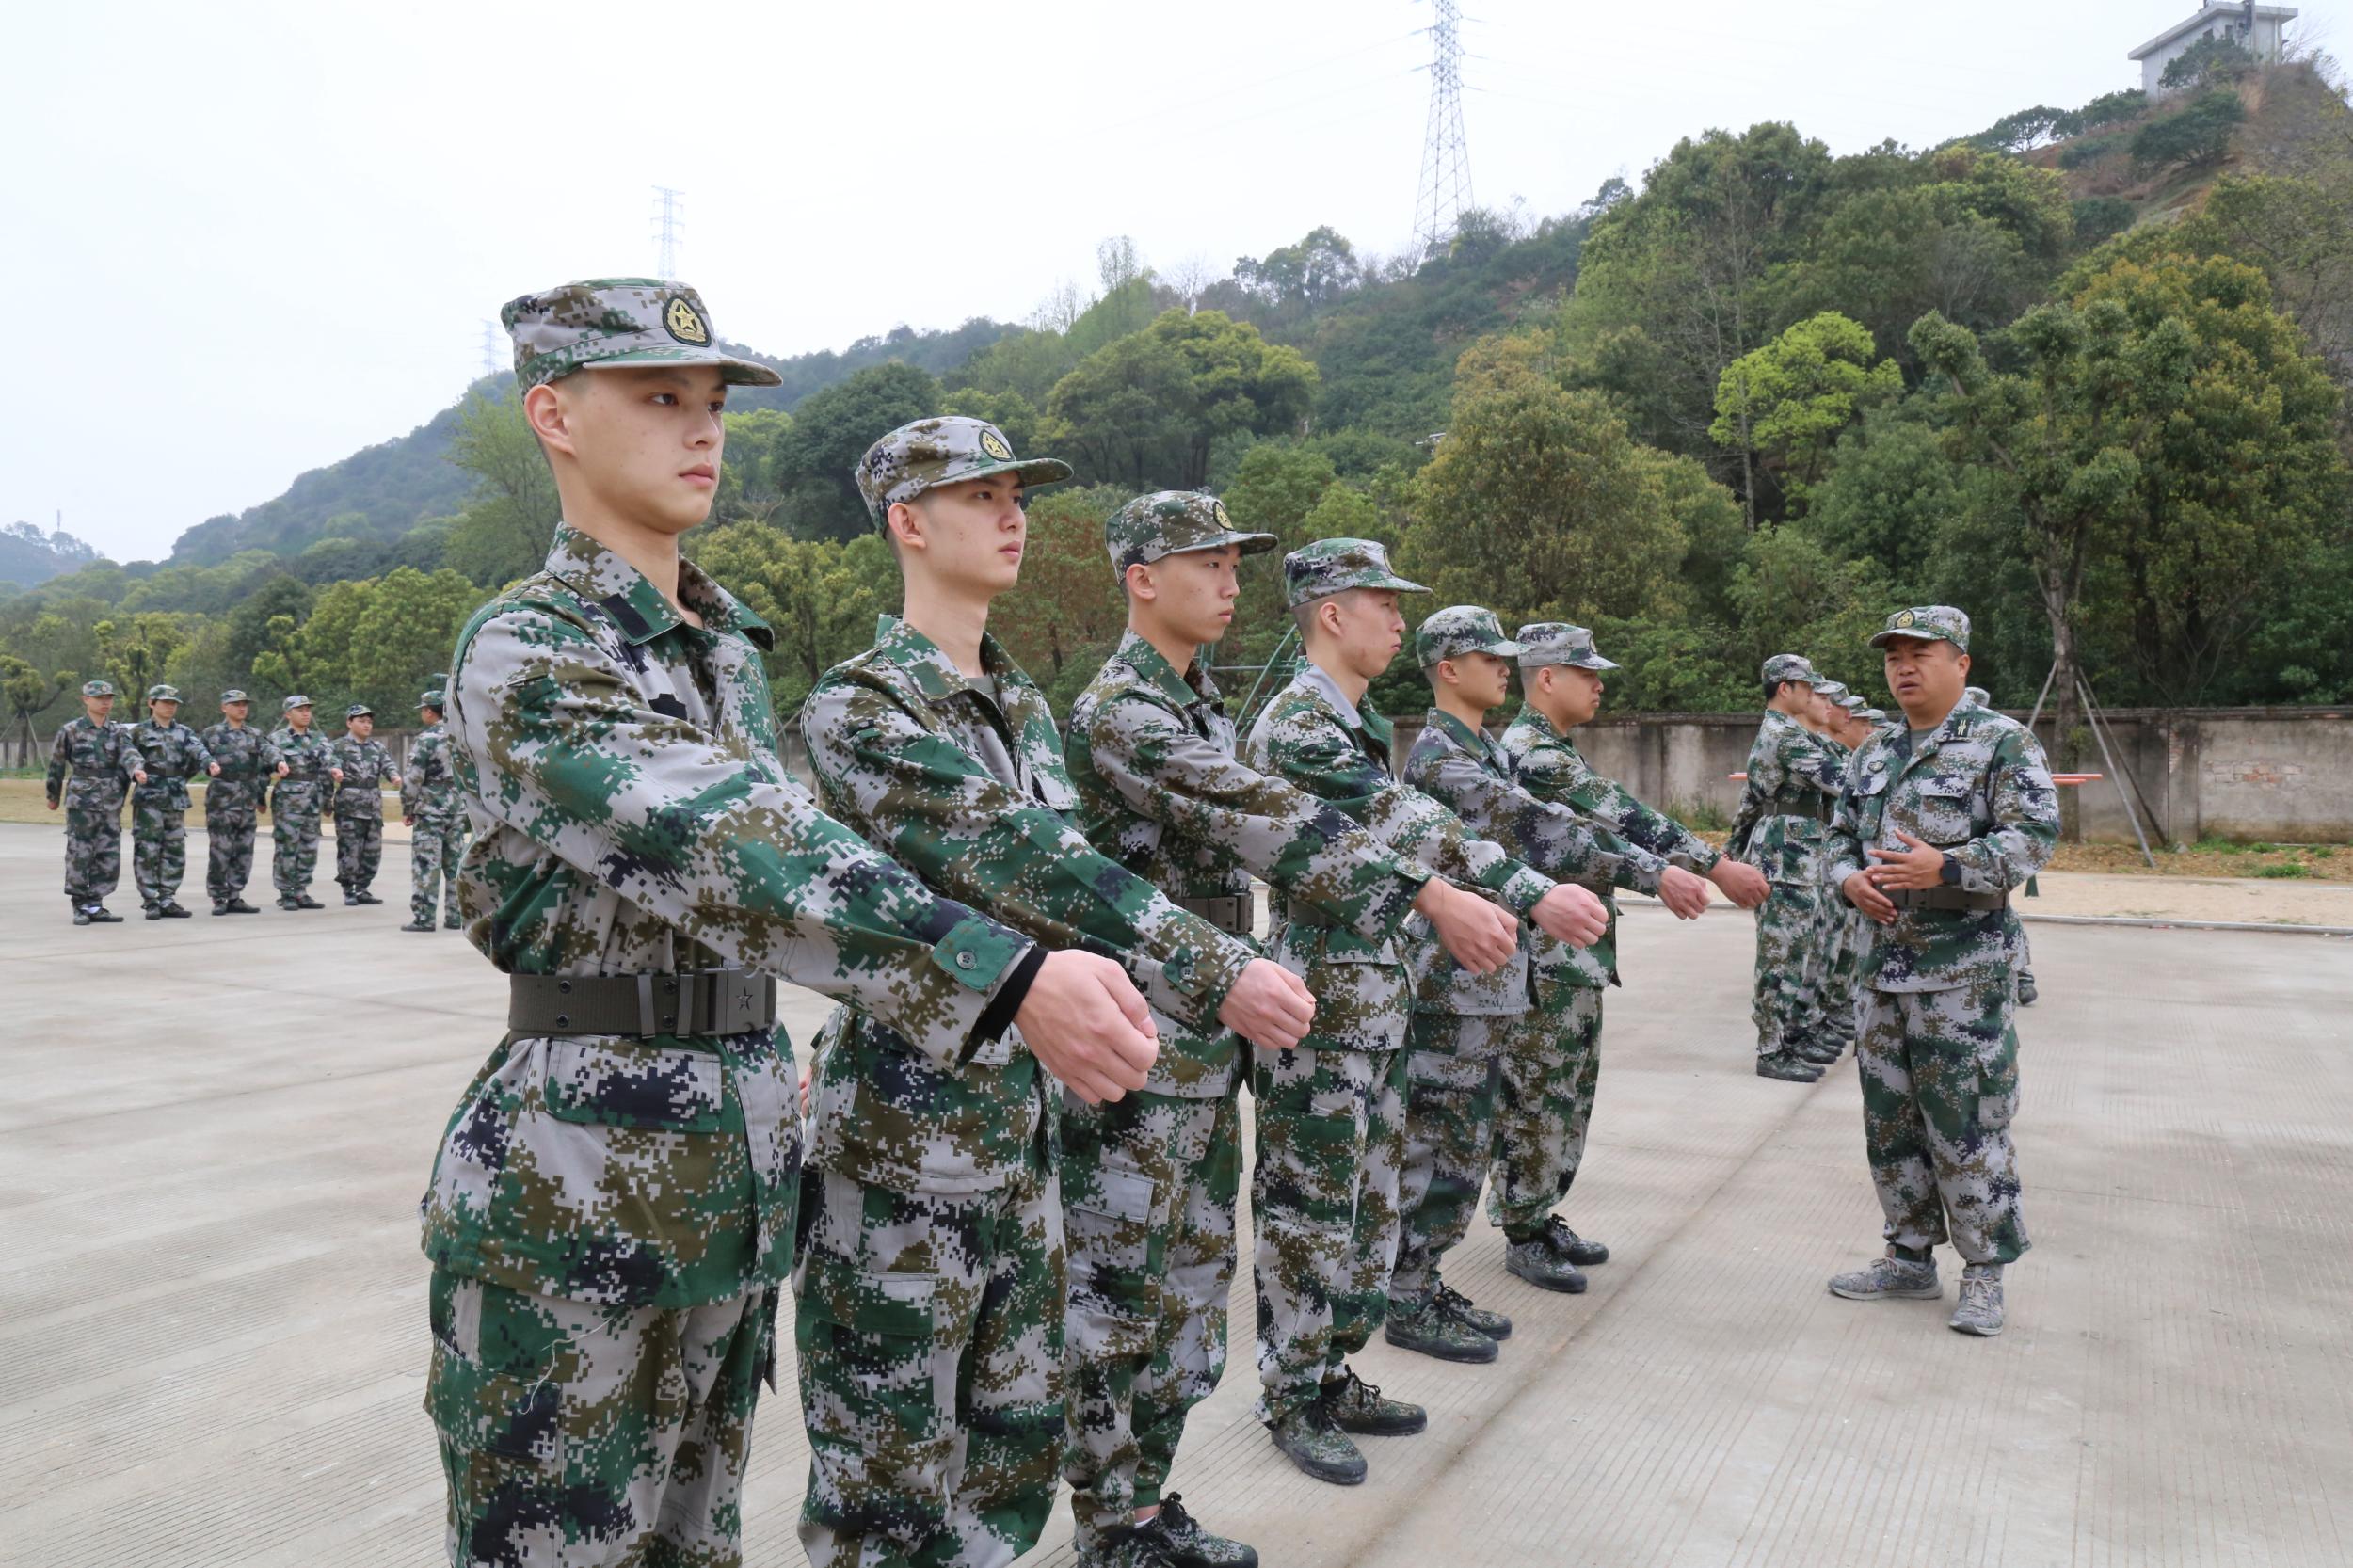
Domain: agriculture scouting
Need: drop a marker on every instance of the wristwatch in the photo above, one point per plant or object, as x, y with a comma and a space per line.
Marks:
1950, 873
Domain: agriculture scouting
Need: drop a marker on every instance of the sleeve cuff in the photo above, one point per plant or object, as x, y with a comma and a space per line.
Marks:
1524, 888
1006, 1003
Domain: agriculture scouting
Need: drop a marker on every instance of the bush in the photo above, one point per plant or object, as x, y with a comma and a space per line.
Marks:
2197, 135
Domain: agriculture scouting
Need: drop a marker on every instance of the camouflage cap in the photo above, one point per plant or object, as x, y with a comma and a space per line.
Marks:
602, 322
1855, 705
161, 691
946, 450
1875, 715
1170, 522
1557, 642
1833, 690
1791, 666
1461, 629
1331, 566
293, 700
98, 688
359, 711
433, 700
233, 695
1930, 623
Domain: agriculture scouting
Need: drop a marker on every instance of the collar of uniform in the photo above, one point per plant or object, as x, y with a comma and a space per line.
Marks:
1473, 741
639, 608
1530, 715
1954, 726
1148, 661
1317, 679
934, 673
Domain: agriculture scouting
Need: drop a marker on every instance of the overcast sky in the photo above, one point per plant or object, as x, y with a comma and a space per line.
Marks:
245, 240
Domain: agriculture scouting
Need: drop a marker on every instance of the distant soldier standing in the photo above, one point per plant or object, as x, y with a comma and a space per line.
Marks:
1466, 1027
1948, 814
436, 818
91, 764
1544, 1101
308, 774
1785, 807
171, 754
1331, 1113
2026, 944
232, 801
1836, 948
366, 765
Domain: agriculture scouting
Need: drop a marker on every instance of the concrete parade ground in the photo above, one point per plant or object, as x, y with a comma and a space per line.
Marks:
212, 1338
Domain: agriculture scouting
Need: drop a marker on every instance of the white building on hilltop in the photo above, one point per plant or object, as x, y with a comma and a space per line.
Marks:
2257, 28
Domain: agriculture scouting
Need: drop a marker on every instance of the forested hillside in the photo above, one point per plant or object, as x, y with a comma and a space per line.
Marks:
2083, 373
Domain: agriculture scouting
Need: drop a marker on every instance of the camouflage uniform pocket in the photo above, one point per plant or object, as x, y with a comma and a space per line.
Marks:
866, 1343
668, 1090
1444, 1069
1994, 1111
1117, 1255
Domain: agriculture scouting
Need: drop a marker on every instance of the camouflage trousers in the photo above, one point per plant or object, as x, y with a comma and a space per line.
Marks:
293, 831
159, 851
1452, 1065
359, 849
1148, 1187
575, 1436
1543, 1102
1323, 1197
436, 846
228, 860
1838, 963
1940, 1085
1784, 1006
93, 845
930, 1331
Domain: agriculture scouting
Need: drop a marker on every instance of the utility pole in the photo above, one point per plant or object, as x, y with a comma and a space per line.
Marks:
490, 348
669, 221
1446, 185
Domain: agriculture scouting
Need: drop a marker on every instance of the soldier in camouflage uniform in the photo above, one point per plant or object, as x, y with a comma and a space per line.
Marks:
91, 763
1331, 1114
435, 820
232, 801
1464, 1026
307, 778
1949, 814
1979, 695
1793, 784
934, 1221
1149, 1182
611, 1212
1552, 1065
365, 765
1839, 938
171, 754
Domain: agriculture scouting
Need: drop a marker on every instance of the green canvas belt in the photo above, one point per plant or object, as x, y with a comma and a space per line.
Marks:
703, 1002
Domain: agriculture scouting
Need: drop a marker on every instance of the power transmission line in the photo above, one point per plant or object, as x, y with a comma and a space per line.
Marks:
669, 221
490, 348
1445, 184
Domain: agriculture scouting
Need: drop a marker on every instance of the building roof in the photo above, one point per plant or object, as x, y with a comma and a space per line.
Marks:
2206, 18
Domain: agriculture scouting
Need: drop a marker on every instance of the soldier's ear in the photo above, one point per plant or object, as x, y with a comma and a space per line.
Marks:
543, 410
1137, 580
903, 525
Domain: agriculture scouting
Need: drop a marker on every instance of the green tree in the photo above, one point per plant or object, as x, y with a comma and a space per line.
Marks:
1069, 611
1147, 409
2197, 134
135, 649
1792, 398
820, 597
26, 690
816, 460
510, 519
404, 636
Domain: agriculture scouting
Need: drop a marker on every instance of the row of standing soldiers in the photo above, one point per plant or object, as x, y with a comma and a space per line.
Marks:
1008, 1213
303, 776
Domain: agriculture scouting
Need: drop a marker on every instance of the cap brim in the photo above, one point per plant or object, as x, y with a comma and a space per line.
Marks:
734, 372
1580, 662
1031, 471
1393, 584
1252, 544
1911, 634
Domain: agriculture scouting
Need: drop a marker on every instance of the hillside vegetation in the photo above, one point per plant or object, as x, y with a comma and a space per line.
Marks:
2081, 373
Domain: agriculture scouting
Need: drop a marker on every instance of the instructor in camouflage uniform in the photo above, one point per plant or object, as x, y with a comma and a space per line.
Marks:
171, 754
1949, 814
612, 1212
1793, 786
435, 820
1331, 1114
1466, 1027
1553, 1066
1149, 1181
232, 801
308, 776
364, 765
91, 763
933, 1218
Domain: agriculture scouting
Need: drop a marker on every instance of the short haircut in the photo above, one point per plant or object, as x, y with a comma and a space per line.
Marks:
1772, 689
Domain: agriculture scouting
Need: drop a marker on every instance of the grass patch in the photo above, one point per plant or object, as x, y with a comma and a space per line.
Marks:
1699, 816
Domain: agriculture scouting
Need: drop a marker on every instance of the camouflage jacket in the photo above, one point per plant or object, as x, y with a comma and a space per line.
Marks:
88, 763
1790, 770
1469, 773
972, 795
172, 753
308, 755
366, 764
621, 764
248, 763
1160, 790
1313, 736
428, 787
1977, 788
